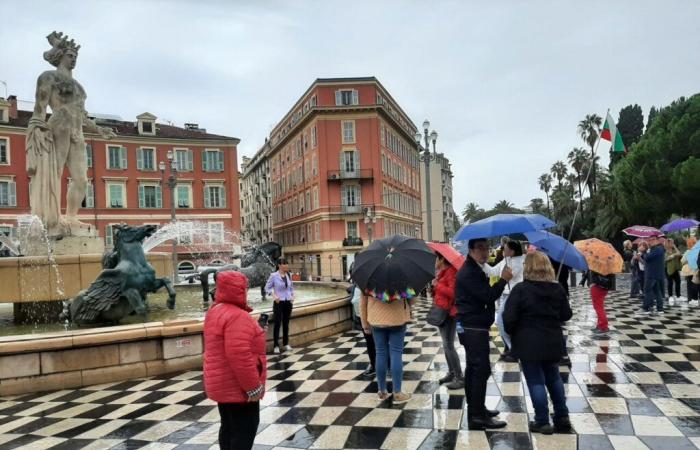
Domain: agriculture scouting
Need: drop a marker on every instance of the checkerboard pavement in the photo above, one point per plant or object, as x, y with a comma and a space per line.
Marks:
636, 388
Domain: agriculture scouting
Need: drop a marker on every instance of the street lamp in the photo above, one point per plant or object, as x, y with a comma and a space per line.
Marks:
172, 184
427, 157
370, 219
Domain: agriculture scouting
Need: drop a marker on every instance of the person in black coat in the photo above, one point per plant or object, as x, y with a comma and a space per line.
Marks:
476, 311
533, 316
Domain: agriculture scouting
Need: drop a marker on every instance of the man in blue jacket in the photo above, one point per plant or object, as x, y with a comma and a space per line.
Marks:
476, 312
654, 276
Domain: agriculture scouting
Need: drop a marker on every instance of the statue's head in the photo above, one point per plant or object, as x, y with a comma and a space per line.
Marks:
127, 233
64, 53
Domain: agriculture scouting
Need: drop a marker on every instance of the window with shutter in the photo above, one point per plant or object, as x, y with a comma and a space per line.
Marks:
355, 97
116, 195
88, 154
109, 237
348, 131
90, 196
4, 151
338, 98
183, 196
123, 158
139, 159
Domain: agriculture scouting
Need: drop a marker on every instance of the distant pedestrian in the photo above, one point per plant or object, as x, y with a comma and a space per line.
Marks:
281, 287
600, 285
654, 276
673, 271
688, 274
235, 366
533, 316
627, 254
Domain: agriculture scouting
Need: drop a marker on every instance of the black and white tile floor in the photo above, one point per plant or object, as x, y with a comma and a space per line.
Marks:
636, 389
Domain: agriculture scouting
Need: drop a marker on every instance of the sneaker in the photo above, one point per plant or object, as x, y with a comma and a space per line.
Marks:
544, 428
288, 348
383, 395
660, 312
681, 299
400, 397
693, 303
457, 383
447, 378
671, 301
369, 372
276, 350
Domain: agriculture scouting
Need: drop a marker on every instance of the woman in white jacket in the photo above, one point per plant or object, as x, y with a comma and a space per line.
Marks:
513, 258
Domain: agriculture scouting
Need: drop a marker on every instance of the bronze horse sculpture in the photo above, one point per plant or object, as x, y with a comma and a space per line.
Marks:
122, 286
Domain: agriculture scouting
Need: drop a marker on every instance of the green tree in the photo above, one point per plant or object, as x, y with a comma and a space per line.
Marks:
545, 182
630, 125
589, 130
470, 212
653, 112
661, 176
537, 206
578, 159
559, 171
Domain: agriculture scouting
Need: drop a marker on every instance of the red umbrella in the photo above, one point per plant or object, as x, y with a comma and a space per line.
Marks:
642, 231
448, 252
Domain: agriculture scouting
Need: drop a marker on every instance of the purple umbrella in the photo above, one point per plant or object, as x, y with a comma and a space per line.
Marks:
680, 224
642, 231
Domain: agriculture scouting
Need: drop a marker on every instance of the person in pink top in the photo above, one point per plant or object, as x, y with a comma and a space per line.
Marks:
235, 365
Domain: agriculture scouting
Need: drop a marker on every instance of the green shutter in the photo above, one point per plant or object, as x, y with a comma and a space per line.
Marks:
222, 191
338, 98
159, 197
355, 98
142, 197
90, 196
207, 203
122, 155
108, 235
12, 193
139, 159
190, 159
205, 161
88, 154
220, 161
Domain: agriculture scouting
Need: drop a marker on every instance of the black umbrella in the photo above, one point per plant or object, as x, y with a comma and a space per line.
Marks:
394, 267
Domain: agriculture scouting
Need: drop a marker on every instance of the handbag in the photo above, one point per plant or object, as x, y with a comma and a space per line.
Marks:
437, 316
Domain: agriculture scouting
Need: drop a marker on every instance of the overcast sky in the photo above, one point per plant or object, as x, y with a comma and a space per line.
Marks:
504, 83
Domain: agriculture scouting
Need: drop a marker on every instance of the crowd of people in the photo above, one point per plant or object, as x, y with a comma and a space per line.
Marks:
518, 291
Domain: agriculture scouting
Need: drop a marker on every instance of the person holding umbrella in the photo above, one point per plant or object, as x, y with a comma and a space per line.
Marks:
476, 308
446, 264
390, 272
673, 271
654, 275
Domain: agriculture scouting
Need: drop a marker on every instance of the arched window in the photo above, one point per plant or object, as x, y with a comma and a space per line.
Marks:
185, 267
217, 262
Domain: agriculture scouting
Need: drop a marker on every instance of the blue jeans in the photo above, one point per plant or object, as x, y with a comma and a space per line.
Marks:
389, 344
635, 283
543, 376
653, 290
499, 320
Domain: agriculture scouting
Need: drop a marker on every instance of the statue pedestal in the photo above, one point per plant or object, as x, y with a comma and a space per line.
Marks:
70, 245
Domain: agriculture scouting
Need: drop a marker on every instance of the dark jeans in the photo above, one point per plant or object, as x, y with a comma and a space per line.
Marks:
476, 345
282, 312
674, 280
653, 290
693, 290
636, 283
541, 377
389, 342
448, 332
371, 350
239, 424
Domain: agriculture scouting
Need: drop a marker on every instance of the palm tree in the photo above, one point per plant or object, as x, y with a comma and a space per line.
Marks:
537, 206
592, 179
578, 158
559, 170
589, 130
470, 211
504, 206
545, 181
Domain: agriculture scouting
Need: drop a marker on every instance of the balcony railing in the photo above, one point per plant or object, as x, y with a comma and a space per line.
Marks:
352, 242
351, 209
360, 174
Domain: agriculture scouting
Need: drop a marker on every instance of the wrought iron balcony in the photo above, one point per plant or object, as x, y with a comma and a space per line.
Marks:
360, 174
352, 242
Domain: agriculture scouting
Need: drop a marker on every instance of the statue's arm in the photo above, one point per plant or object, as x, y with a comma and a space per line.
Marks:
92, 127
43, 92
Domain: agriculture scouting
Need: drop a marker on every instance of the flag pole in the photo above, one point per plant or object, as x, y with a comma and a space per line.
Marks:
580, 200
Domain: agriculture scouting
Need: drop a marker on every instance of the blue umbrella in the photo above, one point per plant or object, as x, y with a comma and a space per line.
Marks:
557, 248
680, 224
692, 256
502, 224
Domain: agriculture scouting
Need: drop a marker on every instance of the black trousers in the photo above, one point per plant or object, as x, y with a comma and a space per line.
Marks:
239, 424
476, 345
693, 290
371, 350
674, 280
282, 312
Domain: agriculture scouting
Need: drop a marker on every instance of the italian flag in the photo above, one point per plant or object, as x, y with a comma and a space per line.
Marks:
611, 134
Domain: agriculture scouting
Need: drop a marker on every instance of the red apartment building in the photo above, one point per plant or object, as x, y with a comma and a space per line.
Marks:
126, 184
344, 169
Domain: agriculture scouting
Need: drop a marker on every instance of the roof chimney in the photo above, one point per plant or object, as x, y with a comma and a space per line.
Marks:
13, 106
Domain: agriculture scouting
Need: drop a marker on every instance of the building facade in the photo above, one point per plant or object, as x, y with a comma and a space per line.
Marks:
343, 169
442, 214
256, 198
127, 184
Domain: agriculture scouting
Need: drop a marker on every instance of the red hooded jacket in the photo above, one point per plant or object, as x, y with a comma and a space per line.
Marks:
444, 290
235, 365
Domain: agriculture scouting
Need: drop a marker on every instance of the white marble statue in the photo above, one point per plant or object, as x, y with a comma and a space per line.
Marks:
58, 141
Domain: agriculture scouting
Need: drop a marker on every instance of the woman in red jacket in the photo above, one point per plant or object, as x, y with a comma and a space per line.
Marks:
444, 297
235, 366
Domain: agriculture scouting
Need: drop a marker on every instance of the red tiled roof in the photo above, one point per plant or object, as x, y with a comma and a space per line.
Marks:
124, 128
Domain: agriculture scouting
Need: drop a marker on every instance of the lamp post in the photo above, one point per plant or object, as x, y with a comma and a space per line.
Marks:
427, 157
172, 184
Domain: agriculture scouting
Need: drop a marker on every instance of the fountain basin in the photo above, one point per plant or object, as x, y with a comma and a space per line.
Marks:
39, 279
70, 359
